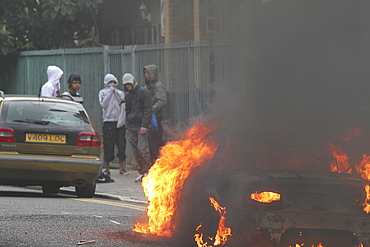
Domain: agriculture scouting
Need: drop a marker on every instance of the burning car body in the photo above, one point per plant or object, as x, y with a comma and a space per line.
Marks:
279, 207
251, 192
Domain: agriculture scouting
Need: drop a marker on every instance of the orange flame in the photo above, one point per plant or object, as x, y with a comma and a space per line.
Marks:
302, 244
364, 167
163, 184
342, 164
366, 203
222, 231
265, 197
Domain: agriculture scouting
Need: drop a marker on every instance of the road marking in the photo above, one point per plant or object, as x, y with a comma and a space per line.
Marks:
117, 204
115, 222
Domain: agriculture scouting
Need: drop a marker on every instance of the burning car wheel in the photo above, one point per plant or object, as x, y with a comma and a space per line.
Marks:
195, 209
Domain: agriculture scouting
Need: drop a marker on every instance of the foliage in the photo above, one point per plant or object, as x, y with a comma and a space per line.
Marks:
46, 24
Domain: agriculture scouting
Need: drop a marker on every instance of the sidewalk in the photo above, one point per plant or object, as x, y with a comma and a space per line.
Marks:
123, 188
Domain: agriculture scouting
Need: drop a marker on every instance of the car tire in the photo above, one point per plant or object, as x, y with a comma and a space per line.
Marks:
194, 208
50, 189
86, 192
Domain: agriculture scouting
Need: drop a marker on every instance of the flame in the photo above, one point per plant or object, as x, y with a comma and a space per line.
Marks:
364, 167
222, 231
366, 203
163, 184
302, 244
265, 197
199, 238
341, 164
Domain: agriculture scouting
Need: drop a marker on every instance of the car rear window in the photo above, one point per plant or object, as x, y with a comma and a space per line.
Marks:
63, 114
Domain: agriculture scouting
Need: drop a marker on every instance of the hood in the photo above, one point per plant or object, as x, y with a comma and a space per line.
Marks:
153, 71
73, 77
129, 78
54, 74
108, 78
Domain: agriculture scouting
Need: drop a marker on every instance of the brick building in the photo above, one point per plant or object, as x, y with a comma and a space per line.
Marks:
128, 22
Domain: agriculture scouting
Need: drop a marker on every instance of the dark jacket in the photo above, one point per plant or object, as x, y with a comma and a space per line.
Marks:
157, 91
138, 108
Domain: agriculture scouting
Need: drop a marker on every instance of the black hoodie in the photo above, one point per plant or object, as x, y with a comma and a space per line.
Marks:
138, 106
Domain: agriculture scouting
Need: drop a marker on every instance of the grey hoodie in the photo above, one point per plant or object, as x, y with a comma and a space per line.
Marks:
109, 97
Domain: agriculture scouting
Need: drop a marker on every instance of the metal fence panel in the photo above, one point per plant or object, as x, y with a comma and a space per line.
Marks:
183, 68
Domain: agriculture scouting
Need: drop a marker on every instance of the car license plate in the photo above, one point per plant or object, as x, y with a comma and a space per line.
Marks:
45, 138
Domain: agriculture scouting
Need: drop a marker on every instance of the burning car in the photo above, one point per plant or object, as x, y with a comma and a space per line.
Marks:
277, 207
257, 193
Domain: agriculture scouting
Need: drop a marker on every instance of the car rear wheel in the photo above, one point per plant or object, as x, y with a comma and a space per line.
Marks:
50, 189
87, 192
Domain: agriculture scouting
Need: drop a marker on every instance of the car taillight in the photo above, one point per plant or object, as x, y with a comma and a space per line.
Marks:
88, 139
7, 135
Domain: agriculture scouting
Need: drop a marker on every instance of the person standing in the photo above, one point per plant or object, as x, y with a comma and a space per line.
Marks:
138, 115
52, 86
159, 101
111, 100
74, 83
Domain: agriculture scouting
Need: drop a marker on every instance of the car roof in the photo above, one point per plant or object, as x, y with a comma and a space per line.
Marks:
15, 97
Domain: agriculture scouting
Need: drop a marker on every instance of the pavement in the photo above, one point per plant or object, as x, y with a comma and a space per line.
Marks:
123, 188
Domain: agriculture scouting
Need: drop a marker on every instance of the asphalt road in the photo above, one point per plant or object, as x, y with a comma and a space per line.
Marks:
28, 218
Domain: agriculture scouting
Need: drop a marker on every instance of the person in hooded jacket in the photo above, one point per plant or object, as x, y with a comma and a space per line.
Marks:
74, 83
52, 86
138, 115
112, 102
159, 101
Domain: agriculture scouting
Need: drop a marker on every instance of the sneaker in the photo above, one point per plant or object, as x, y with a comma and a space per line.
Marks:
104, 178
123, 172
100, 179
109, 179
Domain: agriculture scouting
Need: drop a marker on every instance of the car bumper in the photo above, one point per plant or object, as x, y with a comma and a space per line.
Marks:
39, 170
280, 221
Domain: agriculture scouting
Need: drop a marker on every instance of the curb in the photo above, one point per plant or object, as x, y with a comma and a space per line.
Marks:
106, 196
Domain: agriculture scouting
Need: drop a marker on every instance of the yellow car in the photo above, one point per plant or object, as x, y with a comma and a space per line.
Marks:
48, 142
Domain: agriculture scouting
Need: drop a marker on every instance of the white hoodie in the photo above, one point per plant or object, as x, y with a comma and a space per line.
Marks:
52, 86
109, 98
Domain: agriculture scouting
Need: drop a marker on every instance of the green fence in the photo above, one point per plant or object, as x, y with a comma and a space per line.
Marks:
183, 68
